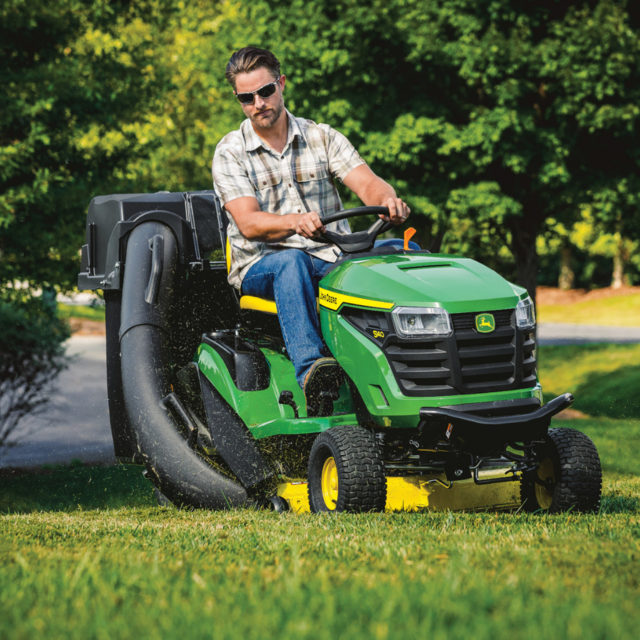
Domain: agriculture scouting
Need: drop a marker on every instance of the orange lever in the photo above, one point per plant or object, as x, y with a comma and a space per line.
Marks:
408, 234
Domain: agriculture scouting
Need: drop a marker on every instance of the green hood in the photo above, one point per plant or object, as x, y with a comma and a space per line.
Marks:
438, 280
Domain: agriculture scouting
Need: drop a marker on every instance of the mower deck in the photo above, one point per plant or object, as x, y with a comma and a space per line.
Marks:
415, 493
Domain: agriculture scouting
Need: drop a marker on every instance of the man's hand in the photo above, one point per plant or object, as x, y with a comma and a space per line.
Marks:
308, 225
398, 210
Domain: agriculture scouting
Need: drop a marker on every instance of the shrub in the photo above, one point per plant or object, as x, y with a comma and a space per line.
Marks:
32, 355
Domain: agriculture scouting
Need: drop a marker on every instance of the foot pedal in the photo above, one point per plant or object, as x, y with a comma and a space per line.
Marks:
323, 388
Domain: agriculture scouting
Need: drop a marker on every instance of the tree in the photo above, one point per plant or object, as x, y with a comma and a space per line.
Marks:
76, 78
504, 112
197, 107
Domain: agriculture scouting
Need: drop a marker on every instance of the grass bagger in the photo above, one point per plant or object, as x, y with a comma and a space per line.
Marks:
438, 405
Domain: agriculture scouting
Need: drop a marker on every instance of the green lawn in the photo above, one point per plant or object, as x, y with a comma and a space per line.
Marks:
80, 311
77, 563
604, 378
85, 553
616, 311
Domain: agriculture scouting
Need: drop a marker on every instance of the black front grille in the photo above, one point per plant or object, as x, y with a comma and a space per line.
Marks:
485, 358
466, 362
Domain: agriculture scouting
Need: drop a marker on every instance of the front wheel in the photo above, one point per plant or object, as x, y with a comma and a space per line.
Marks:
569, 476
346, 472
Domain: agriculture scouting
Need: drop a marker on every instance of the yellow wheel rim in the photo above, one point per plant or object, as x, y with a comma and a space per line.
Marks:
545, 472
329, 483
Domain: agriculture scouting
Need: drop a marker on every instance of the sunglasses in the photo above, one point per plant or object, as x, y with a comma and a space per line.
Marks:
264, 92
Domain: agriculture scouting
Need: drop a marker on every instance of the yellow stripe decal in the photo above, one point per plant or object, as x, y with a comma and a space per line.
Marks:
333, 301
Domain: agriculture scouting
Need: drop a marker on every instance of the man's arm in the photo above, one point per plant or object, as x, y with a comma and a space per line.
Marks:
374, 191
260, 226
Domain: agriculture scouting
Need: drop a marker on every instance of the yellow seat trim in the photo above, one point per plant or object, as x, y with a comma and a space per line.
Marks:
332, 300
258, 304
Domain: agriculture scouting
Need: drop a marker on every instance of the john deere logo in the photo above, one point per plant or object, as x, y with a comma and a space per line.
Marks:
485, 323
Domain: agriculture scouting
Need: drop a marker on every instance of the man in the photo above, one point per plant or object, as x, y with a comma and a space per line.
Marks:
274, 176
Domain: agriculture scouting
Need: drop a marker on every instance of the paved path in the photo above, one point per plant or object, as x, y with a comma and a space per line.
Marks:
75, 425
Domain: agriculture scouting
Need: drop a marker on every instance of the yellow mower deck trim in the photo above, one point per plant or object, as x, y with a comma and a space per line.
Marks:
413, 493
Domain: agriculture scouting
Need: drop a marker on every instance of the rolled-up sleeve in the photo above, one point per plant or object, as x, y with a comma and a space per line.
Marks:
342, 155
230, 176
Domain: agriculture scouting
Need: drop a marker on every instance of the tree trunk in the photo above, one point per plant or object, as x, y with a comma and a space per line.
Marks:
524, 231
618, 272
567, 277
436, 242
620, 259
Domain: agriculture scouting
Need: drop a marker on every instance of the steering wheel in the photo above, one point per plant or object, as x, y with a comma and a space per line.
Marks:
361, 240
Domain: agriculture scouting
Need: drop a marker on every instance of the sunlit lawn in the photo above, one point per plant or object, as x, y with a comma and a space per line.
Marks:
616, 311
604, 378
85, 553
81, 311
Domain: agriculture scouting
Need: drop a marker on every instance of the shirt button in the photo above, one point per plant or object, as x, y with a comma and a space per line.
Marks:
298, 210
289, 185
311, 175
265, 182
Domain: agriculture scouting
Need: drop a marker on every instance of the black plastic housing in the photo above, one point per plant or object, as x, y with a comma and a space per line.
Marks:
246, 363
194, 218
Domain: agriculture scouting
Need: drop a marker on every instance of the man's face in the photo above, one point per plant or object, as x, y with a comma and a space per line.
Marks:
264, 112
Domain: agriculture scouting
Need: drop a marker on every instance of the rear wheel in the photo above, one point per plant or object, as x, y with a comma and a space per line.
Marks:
346, 472
569, 476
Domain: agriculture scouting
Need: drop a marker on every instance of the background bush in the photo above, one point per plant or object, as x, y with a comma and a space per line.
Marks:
31, 357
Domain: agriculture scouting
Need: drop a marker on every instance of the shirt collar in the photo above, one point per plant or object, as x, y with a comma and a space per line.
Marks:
252, 140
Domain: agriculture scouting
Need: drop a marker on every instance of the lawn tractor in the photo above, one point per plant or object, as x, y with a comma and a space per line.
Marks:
438, 405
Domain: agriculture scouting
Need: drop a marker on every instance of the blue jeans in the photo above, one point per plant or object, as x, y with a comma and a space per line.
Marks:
291, 277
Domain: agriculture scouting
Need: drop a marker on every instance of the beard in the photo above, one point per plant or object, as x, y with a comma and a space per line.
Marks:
270, 119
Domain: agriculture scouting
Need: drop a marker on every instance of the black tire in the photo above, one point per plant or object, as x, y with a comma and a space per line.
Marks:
277, 504
361, 481
570, 465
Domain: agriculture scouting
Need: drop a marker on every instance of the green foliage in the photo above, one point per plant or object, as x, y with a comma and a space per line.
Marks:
499, 113
494, 119
31, 357
76, 77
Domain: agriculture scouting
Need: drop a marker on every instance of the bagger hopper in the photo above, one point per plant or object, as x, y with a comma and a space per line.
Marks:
440, 405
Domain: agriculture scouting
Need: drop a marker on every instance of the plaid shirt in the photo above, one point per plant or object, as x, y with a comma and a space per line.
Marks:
298, 180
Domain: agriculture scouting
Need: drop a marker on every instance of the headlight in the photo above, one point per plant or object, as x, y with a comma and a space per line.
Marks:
416, 322
525, 314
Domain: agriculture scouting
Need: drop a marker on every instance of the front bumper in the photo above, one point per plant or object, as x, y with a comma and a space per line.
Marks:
447, 423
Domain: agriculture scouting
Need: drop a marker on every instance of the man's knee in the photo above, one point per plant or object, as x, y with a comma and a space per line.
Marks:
294, 261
